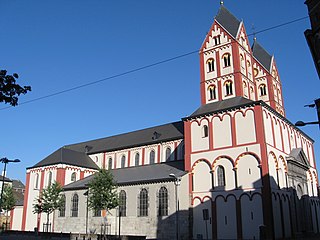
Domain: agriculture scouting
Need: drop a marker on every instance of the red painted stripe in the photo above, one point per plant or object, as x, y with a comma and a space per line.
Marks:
25, 202
143, 153
159, 155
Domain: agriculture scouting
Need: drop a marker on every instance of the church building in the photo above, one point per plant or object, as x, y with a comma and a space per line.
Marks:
236, 168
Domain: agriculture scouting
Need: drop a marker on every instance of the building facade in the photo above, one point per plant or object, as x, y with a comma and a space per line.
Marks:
241, 169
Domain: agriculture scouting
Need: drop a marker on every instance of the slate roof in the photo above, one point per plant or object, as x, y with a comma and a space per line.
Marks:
67, 156
262, 55
220, 106
17, 184
228, 21
19, 197
138, 175
166, 132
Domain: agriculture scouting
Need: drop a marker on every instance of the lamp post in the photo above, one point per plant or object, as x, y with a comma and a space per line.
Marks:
5, 161
301, 123
176, 183
87, 195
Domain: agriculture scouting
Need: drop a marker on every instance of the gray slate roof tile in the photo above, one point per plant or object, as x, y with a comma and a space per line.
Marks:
67, 156
220, 105
166, 132
137, 175
262, 55
228, 21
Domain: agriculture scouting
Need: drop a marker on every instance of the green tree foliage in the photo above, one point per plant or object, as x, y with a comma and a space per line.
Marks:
49, 200
8, 201
10, 90
102, 191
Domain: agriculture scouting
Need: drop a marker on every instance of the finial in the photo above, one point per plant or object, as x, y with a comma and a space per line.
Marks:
254, 32
221, 2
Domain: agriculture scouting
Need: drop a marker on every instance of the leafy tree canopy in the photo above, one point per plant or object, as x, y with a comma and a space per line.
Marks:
49, 200
102, 191
10, 90
8, 200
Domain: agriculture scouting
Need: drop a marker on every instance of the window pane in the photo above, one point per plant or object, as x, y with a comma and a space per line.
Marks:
137, 157
152, 157
143, 203
74, 204
123, 203
163, 201
62, 210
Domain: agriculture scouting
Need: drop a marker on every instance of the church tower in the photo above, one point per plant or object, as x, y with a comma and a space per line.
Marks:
230, 68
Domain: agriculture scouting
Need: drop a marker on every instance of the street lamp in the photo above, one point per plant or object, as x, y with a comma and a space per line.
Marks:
5, 161
176, 183
87, 195
301, 123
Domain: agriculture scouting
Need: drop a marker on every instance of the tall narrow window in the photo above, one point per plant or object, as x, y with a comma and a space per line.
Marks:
221, 176
205, 131
152, 156
73, 177
163, 201
227, 60
263, 90
110, 163
36, 181
62, 209
123, 203
137, 159
143, 203
212, 92
210, 65
123, 161
228, 86
74, 205
216, 40
168, 154
49, 178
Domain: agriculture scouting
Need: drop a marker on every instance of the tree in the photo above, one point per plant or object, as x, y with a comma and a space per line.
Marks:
102, 191
8, 200
10, 90
49, 200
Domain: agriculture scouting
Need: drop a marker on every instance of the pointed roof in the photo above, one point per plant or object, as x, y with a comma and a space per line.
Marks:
67, 156
151, 173
262, 55
228, 21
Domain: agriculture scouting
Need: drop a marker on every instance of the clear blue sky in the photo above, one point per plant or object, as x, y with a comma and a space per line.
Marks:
56, 45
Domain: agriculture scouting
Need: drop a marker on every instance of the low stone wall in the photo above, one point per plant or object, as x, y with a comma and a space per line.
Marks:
23, 235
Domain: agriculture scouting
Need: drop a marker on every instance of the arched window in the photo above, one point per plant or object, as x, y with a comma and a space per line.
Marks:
163, 201
228, 86
49, 178
137, 159
123, 161
62, 209
73, 177
36, 181
143, 203
226, 60
152, 157
221, 176
210, 65
74, 205
216, 40
212, 92
242, 61
110, 163
263, 90
205, 131
123, 203
168, 154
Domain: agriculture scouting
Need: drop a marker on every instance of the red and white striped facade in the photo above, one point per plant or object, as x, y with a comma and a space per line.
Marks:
253, 143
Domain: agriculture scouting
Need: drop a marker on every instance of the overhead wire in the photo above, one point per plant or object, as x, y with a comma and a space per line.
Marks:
142, 68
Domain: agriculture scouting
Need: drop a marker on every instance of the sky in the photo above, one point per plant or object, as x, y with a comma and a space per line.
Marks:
58, 45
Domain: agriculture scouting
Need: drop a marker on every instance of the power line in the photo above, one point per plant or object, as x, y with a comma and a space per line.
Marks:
142, 68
